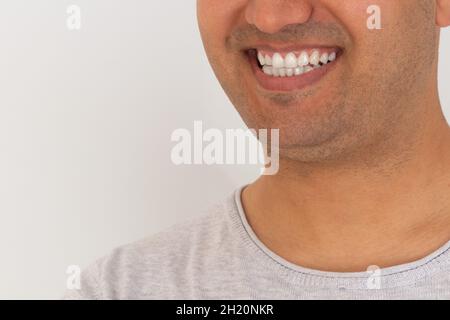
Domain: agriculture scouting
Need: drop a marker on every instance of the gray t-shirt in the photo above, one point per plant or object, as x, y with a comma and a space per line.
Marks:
218, 256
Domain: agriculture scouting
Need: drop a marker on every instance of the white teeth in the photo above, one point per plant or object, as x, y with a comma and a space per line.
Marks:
291, 65
314, 59
332, 56
298, 71
290, 72
290, 61
277, 61
268, 70
303, 59
261, 59
276, 72
324, 58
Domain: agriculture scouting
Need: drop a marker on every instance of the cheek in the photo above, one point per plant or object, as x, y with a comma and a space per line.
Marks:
354, 16
217, 20
218, 17
372, 50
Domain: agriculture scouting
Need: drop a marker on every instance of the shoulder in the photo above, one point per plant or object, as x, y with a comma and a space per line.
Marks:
149, 267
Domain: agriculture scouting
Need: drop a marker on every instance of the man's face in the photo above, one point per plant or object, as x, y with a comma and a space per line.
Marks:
326, 80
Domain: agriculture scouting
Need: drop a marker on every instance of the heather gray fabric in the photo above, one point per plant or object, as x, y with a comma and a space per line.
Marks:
218, 256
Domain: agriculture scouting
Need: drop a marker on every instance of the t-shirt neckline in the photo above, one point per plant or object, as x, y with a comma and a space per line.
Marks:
394, 276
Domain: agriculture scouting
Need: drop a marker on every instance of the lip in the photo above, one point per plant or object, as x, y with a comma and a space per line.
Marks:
286, 84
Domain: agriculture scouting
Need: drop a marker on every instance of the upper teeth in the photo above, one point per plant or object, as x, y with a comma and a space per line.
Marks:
292, 64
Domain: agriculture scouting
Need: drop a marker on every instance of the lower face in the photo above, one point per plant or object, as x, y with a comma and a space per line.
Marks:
329, 84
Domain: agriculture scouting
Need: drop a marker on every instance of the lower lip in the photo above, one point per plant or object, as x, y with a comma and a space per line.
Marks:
286, 84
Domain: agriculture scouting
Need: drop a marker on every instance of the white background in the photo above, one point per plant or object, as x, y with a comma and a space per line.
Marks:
85, 125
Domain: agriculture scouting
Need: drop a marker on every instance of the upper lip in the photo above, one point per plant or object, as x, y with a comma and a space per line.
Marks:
289, 47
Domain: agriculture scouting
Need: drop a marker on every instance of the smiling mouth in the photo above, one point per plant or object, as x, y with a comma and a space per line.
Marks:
292, 70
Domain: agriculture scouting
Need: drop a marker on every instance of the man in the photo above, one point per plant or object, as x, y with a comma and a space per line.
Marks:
360, 208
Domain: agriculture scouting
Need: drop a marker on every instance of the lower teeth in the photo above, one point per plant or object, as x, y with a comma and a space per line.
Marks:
288, 72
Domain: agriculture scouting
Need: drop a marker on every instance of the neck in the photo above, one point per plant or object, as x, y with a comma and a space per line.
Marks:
347, 217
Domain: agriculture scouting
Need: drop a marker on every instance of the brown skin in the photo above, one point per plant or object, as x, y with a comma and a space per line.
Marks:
365, 153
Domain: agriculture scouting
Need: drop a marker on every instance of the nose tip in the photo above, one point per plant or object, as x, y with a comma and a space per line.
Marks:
271, 16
